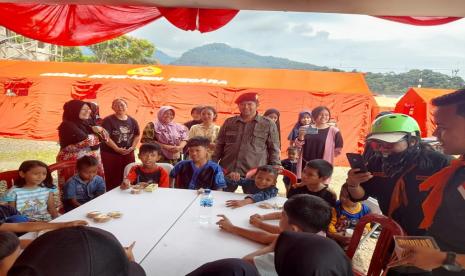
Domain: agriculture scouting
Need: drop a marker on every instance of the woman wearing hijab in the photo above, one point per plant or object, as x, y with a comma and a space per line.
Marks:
304, 254
78, 137
273, 114
304, 119
171, 136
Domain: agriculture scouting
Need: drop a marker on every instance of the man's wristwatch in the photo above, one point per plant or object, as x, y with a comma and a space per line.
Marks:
450, 264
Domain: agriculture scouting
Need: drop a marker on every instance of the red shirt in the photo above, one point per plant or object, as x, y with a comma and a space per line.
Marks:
139, 174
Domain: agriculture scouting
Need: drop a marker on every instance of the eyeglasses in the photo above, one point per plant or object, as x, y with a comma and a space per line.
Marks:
377, 145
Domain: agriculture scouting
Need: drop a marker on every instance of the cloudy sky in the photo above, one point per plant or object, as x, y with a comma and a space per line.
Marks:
336, 40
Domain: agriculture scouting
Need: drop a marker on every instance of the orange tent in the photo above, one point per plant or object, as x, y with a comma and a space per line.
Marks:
386, 103
33, 94
417, 103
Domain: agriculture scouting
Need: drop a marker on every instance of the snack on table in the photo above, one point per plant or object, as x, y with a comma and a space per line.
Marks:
93, 214
135, 191
115, 214
102, 218
150, 188
265, 205
137, 187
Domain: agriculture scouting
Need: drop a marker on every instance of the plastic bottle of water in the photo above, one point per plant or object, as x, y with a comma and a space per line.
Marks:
206, 204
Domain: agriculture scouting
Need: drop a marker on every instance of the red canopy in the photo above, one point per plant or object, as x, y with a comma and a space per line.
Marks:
72, 25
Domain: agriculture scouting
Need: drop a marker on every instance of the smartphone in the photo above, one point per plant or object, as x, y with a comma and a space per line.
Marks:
356, 161
312, 130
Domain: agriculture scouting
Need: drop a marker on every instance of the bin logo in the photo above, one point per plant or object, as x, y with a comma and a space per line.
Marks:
145, 71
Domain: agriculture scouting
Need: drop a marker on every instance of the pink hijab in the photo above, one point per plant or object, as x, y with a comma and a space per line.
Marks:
169, 133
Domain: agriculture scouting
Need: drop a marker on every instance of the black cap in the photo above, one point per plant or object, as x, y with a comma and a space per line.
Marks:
75, 251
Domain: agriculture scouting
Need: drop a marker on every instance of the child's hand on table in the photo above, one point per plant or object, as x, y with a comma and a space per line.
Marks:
256, 220
238, 203
125, 185
225, 224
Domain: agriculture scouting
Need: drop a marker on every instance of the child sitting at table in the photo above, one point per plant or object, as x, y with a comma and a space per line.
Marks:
301, 213
345, 215
261, 187
314, 175
149, 172
199, 172
83, 186
33, 193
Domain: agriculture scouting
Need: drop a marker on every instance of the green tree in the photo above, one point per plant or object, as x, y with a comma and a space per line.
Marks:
73, 54
124, 49
397, 84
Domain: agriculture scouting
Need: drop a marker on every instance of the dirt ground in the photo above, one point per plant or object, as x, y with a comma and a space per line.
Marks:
15, 151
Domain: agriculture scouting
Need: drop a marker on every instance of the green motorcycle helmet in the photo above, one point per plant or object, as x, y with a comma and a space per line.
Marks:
394, 127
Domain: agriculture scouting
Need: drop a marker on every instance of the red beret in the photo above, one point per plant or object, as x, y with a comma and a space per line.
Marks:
247, 97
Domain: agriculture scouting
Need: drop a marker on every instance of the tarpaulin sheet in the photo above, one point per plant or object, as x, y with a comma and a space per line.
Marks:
37, 113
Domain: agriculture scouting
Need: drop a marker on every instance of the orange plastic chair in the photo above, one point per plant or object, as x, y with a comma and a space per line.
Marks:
284, 172
383, 250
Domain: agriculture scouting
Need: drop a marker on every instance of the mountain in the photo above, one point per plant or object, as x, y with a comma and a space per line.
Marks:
219, 54
162, 58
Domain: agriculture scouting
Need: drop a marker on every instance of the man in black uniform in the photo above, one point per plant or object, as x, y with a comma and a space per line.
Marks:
400, 164
444, 208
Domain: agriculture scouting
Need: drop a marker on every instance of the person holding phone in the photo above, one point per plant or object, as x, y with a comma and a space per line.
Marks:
318, 141
399, 165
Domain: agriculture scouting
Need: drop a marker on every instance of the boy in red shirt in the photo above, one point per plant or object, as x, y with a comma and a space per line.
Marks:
149, 172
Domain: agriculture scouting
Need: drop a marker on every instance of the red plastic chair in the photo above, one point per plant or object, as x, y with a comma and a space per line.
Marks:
382, 253
9, 177
67, 168
64, 168
292, 177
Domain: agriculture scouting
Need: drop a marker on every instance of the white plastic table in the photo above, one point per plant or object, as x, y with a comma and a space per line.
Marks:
169, 238
146, 216
188, 244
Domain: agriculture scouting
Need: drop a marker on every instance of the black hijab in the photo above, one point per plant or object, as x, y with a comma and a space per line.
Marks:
72, 129
305, 254
278, 124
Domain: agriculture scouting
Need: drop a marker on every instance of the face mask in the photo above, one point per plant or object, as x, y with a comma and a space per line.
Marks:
395, 163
